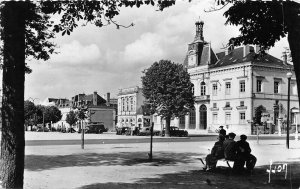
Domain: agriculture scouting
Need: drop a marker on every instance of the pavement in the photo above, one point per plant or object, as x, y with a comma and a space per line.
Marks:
126, 165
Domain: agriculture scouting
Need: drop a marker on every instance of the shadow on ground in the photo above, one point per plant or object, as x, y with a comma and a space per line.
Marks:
221, 178
40, 163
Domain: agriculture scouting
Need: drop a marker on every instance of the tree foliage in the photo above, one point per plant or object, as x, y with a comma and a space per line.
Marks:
168, 90
71, 118
29, 113
48, 114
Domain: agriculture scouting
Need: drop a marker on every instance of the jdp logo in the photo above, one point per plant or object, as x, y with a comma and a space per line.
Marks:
276, 169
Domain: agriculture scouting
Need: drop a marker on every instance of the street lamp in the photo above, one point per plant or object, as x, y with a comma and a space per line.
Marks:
288, 75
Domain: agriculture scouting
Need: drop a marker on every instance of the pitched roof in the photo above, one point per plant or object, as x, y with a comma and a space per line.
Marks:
236, 56
89, 97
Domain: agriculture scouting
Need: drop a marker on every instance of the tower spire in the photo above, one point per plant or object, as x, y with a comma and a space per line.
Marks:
199, 30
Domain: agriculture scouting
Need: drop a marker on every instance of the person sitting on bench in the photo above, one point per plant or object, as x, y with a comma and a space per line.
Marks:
230, 147
244, 155
217, 153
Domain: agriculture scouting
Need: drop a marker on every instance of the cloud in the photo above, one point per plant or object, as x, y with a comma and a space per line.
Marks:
146, 48
76, 53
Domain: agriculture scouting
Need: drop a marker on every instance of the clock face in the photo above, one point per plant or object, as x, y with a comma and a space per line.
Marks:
192, 60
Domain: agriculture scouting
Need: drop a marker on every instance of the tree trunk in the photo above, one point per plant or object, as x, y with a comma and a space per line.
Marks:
292, 10
13, 140
167, 131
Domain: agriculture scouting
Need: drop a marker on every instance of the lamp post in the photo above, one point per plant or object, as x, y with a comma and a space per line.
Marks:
288, 75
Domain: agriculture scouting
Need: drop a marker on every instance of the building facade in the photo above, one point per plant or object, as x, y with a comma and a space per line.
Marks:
131, 108
237, 87
100, 111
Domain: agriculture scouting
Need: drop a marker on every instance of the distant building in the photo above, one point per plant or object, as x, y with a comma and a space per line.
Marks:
99, 110
64, 105
131, 108
231, 86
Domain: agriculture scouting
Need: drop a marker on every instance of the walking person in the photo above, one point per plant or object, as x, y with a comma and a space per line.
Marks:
222, 131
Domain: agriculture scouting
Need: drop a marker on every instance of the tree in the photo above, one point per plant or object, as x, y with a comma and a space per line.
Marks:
168, 90
25, 31
29, 113
71, 118
52, 114
265, 22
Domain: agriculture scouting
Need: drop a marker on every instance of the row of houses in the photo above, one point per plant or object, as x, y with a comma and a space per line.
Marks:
101, 109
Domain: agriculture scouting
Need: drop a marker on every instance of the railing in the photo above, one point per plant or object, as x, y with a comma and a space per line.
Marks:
274, 96
201, 98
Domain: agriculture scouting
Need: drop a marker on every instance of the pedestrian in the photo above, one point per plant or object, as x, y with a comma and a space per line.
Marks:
217, 153
244, 154
222, 131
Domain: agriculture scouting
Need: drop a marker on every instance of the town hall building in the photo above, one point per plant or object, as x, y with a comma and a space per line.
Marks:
233, 87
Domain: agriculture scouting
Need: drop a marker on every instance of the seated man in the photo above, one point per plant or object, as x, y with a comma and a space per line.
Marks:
229, 147
217, 152
244, 154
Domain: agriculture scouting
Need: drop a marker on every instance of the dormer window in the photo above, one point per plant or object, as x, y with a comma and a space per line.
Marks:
203, 88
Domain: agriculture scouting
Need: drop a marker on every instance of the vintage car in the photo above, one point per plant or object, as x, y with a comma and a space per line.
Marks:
95, 128
144, 131
175, 131
122, 130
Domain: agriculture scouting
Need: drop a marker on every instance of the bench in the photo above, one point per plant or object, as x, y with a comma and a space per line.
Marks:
220, 162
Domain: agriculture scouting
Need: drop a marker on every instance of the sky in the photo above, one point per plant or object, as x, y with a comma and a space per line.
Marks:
108, 59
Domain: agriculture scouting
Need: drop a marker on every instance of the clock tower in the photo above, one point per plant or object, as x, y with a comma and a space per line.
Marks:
195, 48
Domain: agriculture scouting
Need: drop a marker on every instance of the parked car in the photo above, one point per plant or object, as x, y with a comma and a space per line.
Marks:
175, 131
144, 131
95, 128
71, 130
41, 129
122, 130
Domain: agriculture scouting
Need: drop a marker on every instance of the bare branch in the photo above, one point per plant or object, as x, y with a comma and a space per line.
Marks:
212, 9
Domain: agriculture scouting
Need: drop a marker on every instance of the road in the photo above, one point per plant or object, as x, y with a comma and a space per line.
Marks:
125, 139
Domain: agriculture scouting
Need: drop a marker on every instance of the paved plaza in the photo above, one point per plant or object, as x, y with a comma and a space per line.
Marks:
174, 165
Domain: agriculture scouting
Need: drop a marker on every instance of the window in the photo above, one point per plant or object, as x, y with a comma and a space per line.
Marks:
123, 104
259, 86
127, 104
242, 86
203, 89
276, 87
215, 89
228, 86
215, 117
193, 89
131, 104
227, 117
227, 104
242, 103
242, 118
214, 105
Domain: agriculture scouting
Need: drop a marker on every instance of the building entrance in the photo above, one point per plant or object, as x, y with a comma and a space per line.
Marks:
203, 117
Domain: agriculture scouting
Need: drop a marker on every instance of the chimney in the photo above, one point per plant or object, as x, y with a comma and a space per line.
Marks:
95, 99
107, 99
246, 50
284, 58
256, 48
229, 49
